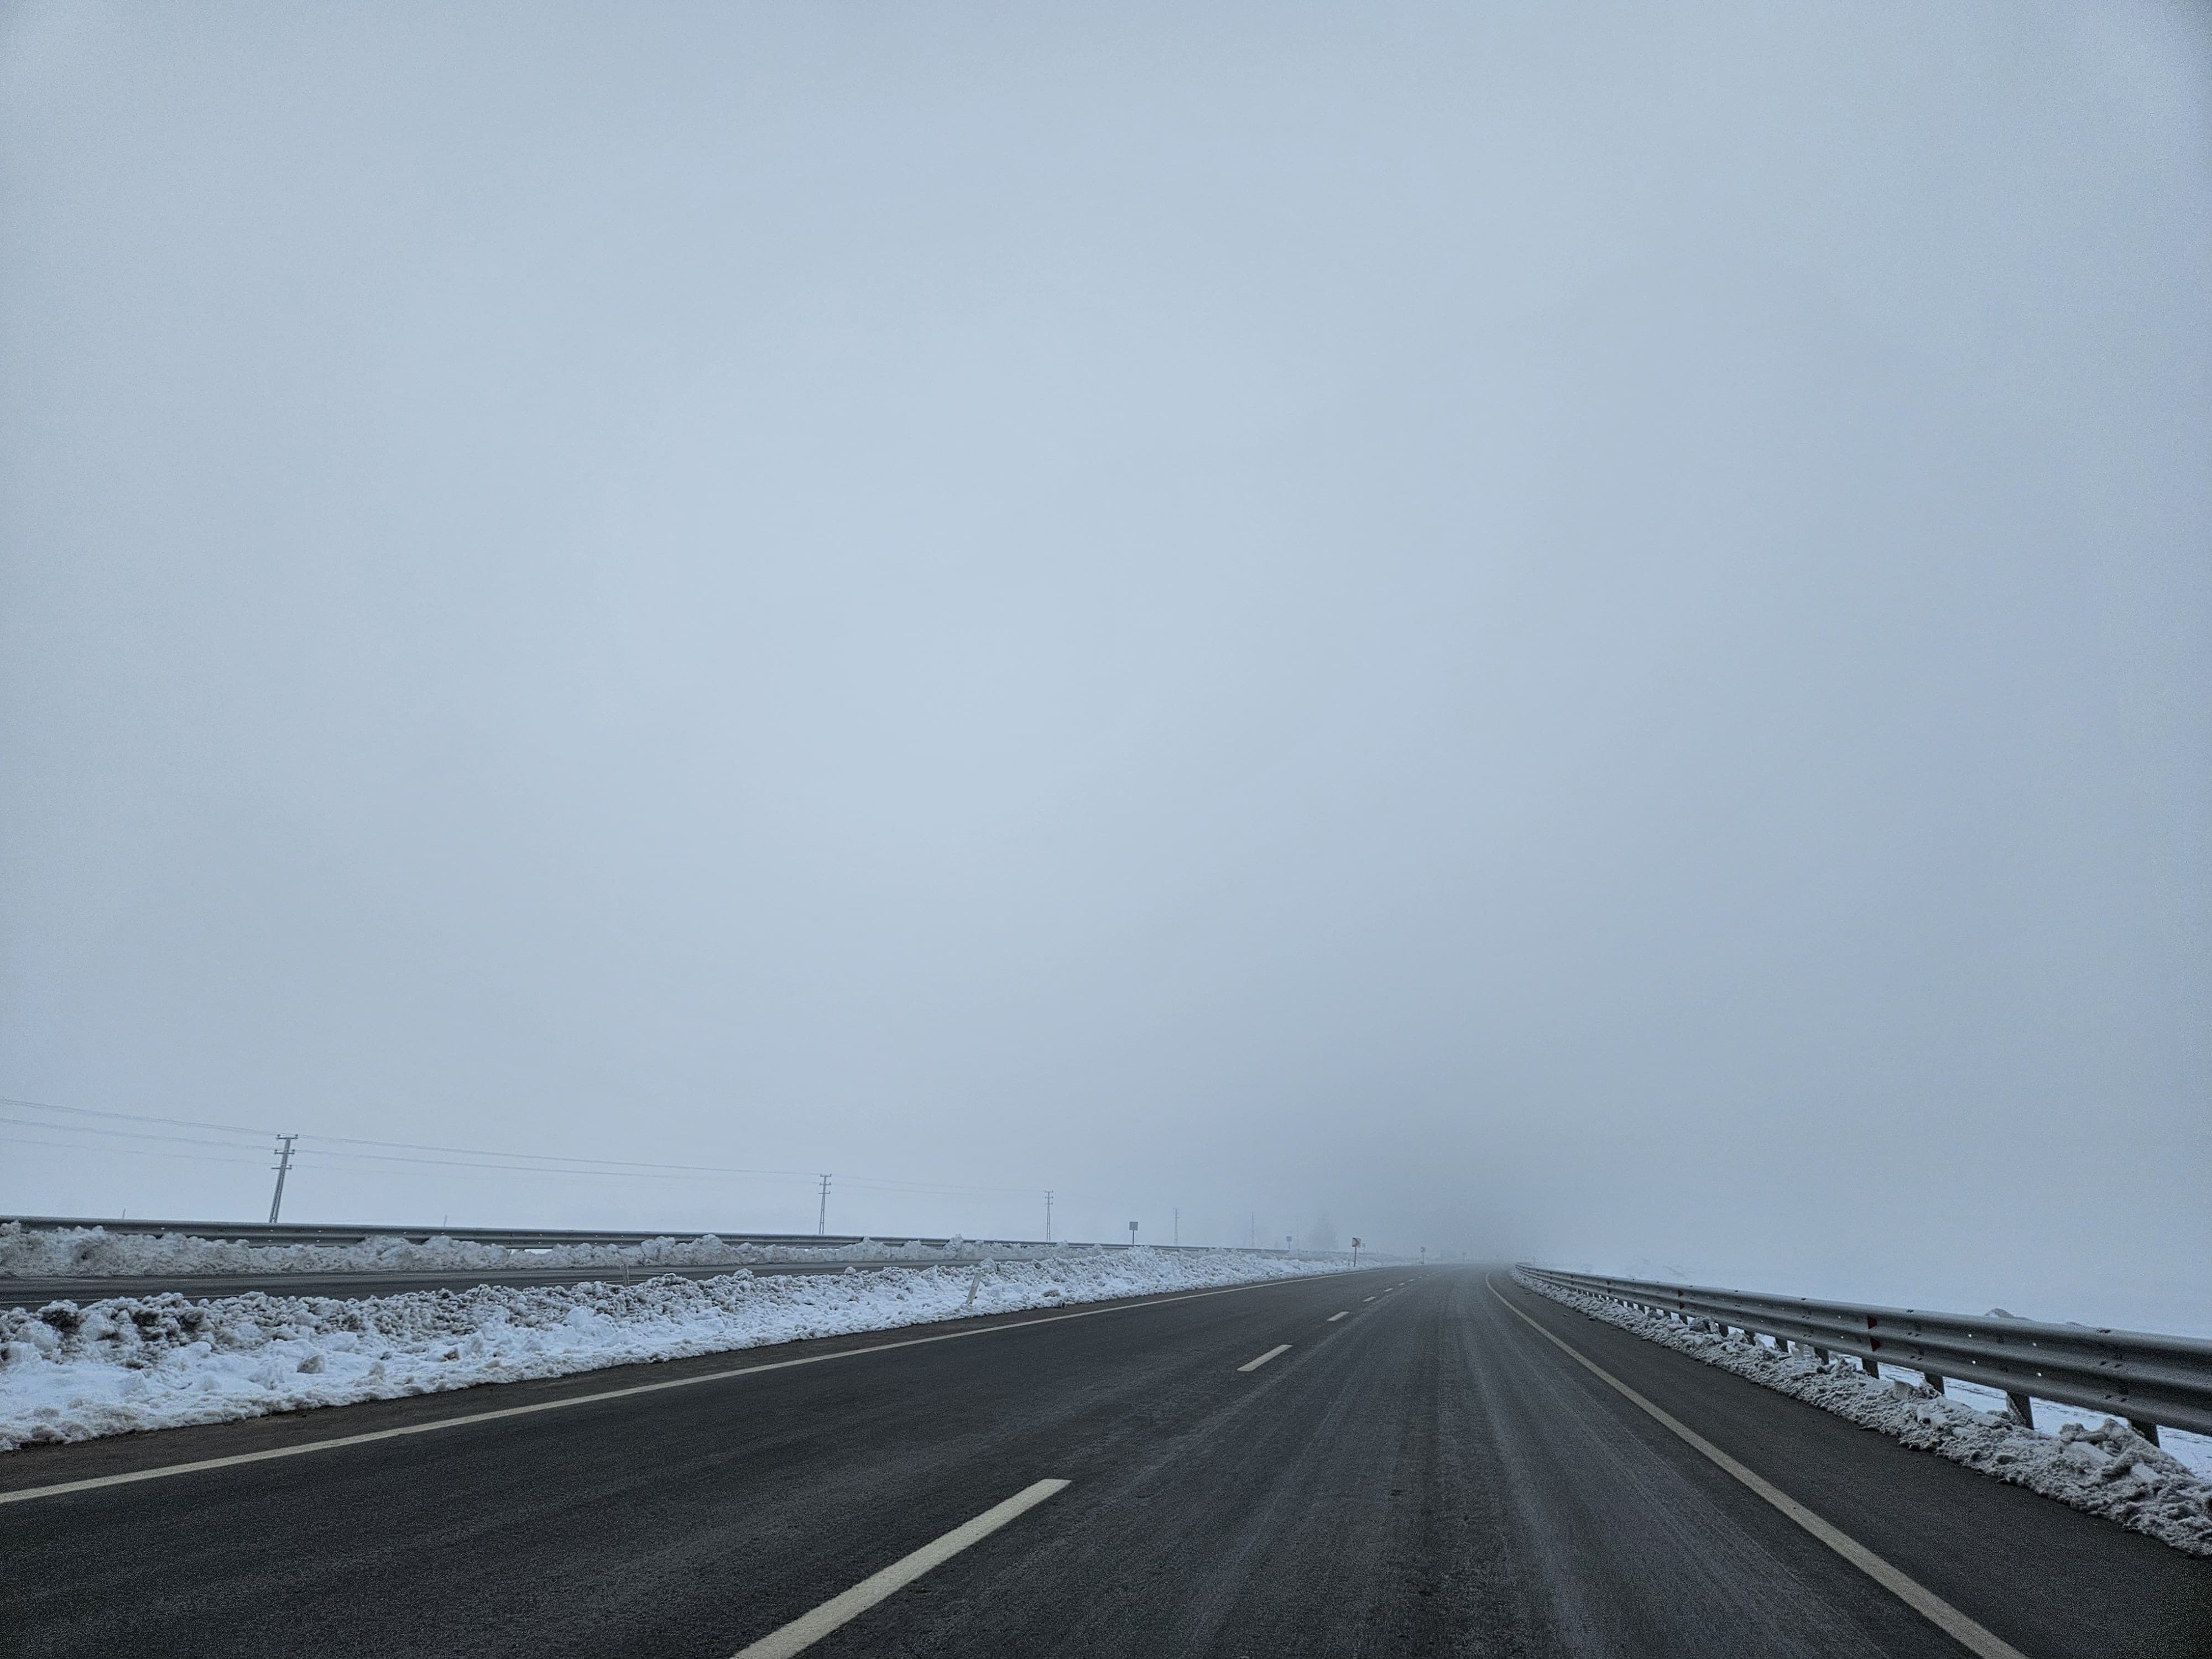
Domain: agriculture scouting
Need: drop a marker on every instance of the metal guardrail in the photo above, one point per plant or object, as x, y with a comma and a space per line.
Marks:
541, 1238
2150, 1380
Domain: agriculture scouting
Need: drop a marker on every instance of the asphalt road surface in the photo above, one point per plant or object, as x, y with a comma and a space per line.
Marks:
1245, 1473
28, 1292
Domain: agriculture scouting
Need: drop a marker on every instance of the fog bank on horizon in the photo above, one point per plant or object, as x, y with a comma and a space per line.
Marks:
1521, 631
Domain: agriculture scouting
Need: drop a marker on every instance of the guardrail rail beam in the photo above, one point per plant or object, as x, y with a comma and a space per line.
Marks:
2143, 1378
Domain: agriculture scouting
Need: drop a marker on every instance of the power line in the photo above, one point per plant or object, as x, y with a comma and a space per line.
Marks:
125, 1152
304, 1160
130, 1134
542, 1157
336, 1147
135, 1117
926, 1186
671, 1173
518, 1161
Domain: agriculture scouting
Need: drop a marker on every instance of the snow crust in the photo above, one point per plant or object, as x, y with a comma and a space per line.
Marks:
2104, 1467
95, 1253
69, 1373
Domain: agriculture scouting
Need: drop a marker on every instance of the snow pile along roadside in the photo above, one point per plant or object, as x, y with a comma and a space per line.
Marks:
2108, 1470
72, 1373
95, 1253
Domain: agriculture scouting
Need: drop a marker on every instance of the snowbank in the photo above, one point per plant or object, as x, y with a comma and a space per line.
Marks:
2107, 1469
95, 1253
71, 1373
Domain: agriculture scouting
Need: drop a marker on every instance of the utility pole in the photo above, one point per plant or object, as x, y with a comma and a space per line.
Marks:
283, 1166
1048, 1215
821, 1215
1178, 1226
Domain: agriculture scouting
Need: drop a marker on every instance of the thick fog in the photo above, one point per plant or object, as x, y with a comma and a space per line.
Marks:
1572, 632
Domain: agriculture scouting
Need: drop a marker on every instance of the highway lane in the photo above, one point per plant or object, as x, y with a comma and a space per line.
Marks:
36, 1293
1428, 1474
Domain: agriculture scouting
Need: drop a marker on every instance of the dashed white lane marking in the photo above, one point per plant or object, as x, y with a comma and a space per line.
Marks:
1918, 1596
1333, 1318
1366, 1298
1254, 1365
439, 1425
803, 1631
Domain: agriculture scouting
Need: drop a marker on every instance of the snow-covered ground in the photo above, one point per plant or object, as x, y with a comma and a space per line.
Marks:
95, 1253
72, 1373
2083, 1458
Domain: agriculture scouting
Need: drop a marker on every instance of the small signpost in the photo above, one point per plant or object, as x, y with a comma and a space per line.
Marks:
1132, 1234
1355, 1253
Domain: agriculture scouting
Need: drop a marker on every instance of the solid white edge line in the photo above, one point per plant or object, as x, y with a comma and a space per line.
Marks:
803, 1631
1915, 1595
1333, 1318
25, 1494
1254, 1365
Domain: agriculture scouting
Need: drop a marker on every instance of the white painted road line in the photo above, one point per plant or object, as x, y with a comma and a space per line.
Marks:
1366, 1298
803, 1631
1254, 1365
1918, 1596
1333, 1318
25, 1494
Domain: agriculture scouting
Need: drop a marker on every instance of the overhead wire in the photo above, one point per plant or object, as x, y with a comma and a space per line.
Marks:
130, 1134
133, 1117
130, 1151
320, 1147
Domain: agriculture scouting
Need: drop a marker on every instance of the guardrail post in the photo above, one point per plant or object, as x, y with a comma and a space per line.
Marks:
2148, 1431
2020, 1409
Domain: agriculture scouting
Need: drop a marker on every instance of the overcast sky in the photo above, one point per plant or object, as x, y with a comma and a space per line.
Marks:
1572, 632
